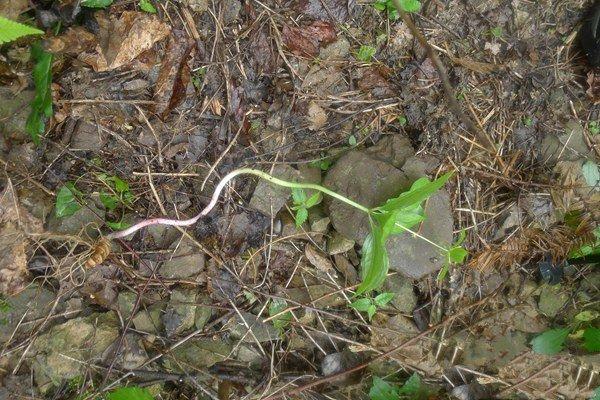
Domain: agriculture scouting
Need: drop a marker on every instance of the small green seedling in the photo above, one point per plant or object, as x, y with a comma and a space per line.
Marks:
146, 5
282, 319
409, 6
302, 203
413, 389
370, 305
594, 128
352, 141
527, 121
496, 32
323, 164
130, 393
68, 200
402, 120
119, 194
456, 255
580, 330
366, 53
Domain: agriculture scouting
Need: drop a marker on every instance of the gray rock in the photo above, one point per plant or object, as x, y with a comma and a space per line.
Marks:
393, 149
269, 198
89, 217
404, 299
197, 354
125, 303
370, 183
163, 235
337, 50
552, 299
181, 311
87, 136
494, 352
30, 304
66, 350
149, 320
338, 243
132, 353
186, 261
365, 180
203, 312
307, 294
259, 330
14, 111
568, 146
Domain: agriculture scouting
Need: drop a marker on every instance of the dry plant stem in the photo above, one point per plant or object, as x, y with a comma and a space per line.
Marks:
217, 193
448, 89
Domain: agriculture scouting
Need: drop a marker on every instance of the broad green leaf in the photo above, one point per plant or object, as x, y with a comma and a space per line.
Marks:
383, 298
120, 185
596, 395
381, 390
118, 226
281, 321
550, 342
587, 316
410, 6
366, 53
591, 339
457, 255
146, 5
41, 106
109, 201
298, 195
412, 386
361, 304
420, 190
129, 393
313, 200
408, 219
96, 3
66, 202
588, 249
374, 262
12, 30
371, 311
591, 173
301, 216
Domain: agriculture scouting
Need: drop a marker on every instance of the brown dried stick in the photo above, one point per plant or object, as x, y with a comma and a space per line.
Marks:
447, 86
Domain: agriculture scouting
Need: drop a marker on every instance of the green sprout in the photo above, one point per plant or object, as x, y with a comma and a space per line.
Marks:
370, 305
302, 203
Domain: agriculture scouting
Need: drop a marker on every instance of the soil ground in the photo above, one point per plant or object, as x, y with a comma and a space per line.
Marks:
152, 110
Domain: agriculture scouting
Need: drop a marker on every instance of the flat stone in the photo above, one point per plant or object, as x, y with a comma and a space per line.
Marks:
310, 293
149, 320
365, 180
260, 331
552, 299
186, 261
89, 217
404, 299
269, 198
14, 111
180, 313
125, 303
338, 243
394, 149
203, 312
198, 354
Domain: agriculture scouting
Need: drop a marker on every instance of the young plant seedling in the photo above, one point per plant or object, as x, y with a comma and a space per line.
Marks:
119, 195
281, 319
302, 203
395, 216
409, 6
370, 305
412, 389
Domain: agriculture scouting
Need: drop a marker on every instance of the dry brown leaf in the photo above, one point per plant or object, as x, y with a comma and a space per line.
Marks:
11, 9
477, 66
74, 41
15, 223
317, 117
174, 74
306, 41
123, 39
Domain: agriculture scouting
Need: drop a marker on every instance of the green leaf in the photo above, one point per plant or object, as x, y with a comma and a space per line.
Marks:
12, 30
591, 339
550, 342
96, 3
407, 219
380, 5
129, 393
66, 201
120, 185
41, 106
361, 304
313, 200
371, 311
146, 5
366, 53
596, 395
301, 216
412, 386
281, 321
109, 201
374, 262
587, 316
381, 390
457, 255
298, 195
591, 173
420, 191
496, 32
383, 298
118, 226
443, 272
410, 6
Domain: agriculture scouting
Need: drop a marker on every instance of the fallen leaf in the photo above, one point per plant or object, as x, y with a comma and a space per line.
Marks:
481, 67
174, 75
306, 41
123, 39
317, 259
317, 117
15, 223
13, 8
74, 41
374, 81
